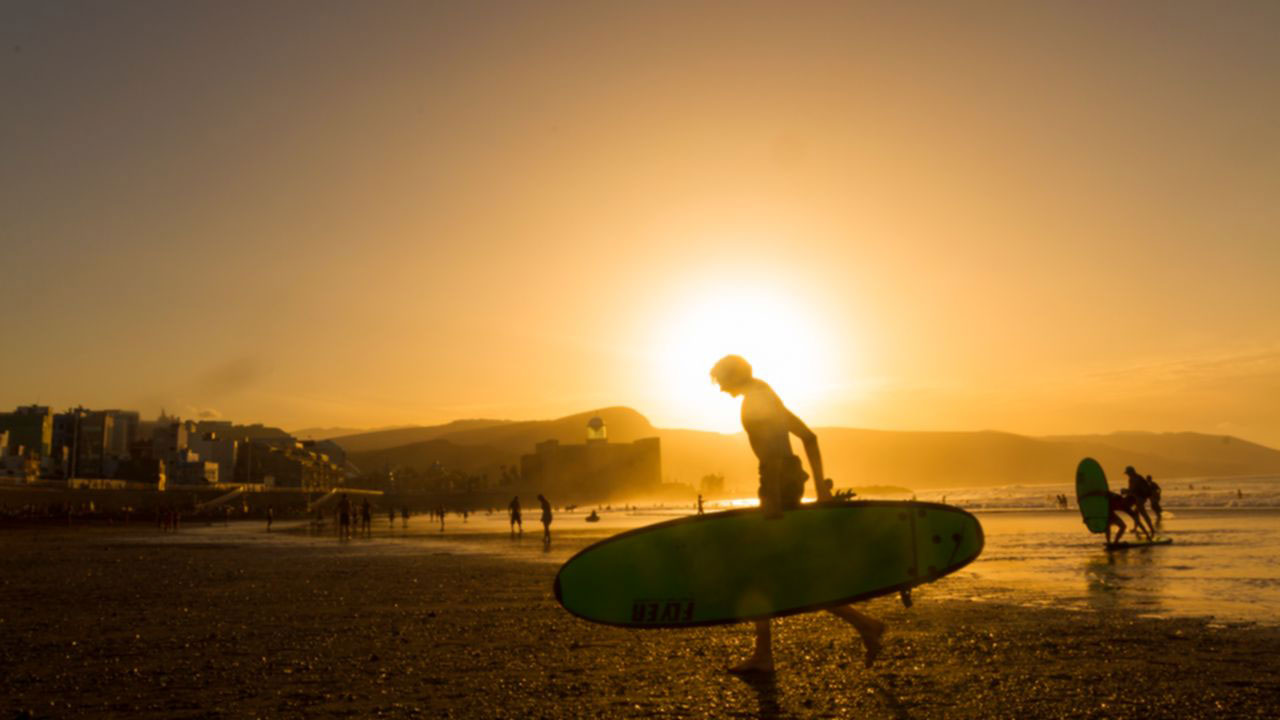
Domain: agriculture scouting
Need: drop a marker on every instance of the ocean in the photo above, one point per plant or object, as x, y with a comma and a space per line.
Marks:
1223, 565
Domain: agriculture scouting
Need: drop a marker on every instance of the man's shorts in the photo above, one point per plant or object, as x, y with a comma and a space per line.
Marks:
781, 485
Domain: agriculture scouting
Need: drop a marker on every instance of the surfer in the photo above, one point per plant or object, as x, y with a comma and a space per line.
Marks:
514, 509
1155, 498
546, 519
1140, 490
1126, 503
769, 426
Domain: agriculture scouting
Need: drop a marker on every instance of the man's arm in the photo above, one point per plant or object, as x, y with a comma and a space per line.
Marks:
802, 431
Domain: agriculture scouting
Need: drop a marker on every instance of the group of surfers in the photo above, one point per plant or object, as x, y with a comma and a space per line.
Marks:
1132, 501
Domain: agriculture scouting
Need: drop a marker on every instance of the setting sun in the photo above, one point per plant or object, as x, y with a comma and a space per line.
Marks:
781, 335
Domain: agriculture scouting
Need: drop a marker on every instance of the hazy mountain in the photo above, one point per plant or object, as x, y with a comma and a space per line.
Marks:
421, 455
624, 425
484, 445
323, 433
1227, 455
918, 460
397, 437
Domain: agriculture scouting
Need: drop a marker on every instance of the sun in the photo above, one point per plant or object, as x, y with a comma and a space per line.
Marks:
774, 329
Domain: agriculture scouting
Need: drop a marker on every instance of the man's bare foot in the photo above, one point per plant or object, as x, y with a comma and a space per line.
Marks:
873, 641
753, 666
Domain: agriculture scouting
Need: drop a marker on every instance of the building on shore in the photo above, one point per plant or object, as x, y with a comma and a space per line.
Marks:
30, 427
215, 441
596, 469
91, 454
281, 462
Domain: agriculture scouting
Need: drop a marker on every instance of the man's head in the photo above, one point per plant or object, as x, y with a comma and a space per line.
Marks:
732, 374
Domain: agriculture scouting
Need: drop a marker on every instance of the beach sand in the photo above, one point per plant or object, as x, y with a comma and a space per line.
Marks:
102, 622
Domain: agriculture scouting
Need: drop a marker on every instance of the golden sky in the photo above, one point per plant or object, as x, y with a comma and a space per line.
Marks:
1033, 217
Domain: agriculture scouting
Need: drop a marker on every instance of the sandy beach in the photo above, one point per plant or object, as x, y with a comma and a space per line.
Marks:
126, 622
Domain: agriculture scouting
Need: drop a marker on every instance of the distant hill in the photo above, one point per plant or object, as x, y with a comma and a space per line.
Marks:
852, 457
323, 433
1220, 454
397, 437
925, 460
472, 459
483, 445
624, 425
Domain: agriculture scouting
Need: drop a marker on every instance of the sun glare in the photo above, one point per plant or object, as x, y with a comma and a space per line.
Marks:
776, 332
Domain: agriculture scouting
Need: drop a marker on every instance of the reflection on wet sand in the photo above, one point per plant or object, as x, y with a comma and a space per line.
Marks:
1124, 578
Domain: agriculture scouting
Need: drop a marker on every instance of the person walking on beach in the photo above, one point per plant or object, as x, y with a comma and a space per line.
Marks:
513, 509
271, 515
344, 517
366, 517
391, 518
546, 519
769, 425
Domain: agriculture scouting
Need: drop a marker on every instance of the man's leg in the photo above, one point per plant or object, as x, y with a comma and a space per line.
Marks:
871, 630
1142, 510
761, 660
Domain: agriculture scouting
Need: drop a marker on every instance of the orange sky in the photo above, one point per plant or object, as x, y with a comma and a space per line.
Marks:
1033, 217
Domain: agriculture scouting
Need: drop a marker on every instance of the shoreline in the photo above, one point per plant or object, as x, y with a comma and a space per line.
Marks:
98, 623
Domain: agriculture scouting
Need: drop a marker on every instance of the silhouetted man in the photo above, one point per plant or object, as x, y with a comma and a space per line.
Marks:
769, 425
546, 519
513, 508
1141, 491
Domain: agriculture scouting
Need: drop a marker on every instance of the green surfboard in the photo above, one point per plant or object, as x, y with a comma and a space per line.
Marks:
1091, 495
737, 565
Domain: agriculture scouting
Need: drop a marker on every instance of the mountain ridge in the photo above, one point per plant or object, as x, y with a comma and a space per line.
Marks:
852, 456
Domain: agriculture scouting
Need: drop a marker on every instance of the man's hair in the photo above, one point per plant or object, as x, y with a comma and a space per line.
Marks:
731, 370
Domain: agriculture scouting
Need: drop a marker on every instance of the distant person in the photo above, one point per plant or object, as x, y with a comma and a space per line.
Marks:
769, 425
391, 518
1141, 493
440, 512
546, 519
699, 503
344, 516
271, 515
513, 510
404, 516
1239, 494
366, 517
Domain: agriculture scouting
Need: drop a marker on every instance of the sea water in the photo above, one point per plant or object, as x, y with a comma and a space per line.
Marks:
1224, 562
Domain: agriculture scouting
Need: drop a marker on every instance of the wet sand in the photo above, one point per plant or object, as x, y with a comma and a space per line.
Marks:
100, 622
